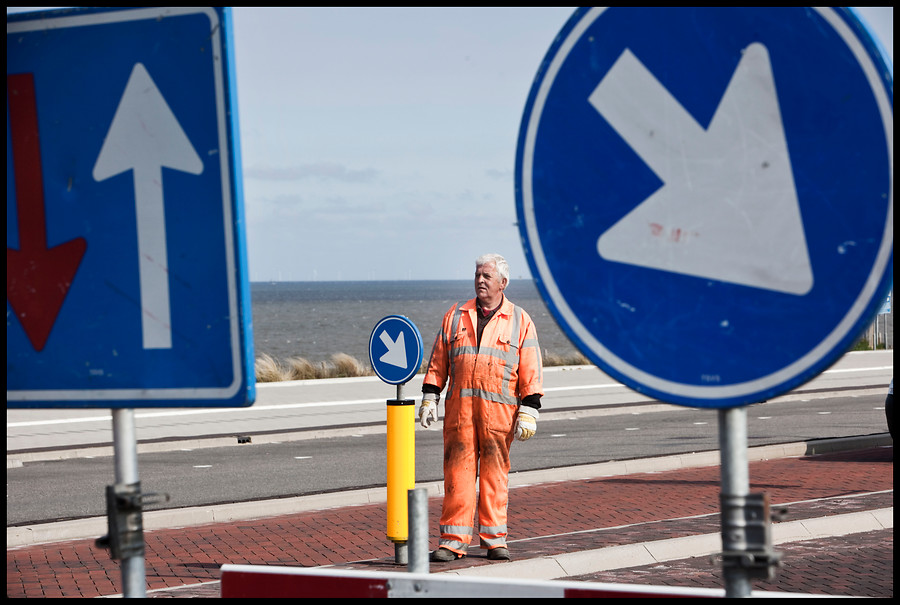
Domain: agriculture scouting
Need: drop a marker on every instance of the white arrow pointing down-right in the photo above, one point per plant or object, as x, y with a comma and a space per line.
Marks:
396, 350
728, 208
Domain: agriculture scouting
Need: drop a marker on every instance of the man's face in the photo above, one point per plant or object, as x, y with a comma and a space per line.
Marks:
488, 284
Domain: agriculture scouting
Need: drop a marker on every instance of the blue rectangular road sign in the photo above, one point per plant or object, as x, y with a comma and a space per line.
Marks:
126, 263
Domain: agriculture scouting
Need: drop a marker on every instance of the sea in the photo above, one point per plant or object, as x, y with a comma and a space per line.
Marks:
317, 320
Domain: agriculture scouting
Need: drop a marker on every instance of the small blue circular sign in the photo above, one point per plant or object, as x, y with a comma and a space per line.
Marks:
395, 349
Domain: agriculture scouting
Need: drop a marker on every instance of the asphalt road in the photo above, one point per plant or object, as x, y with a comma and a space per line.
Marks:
276, 463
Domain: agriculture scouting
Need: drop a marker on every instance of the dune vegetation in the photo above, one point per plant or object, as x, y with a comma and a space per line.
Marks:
341, 365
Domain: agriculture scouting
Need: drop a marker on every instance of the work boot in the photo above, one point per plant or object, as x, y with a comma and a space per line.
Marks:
442, 555
498, 554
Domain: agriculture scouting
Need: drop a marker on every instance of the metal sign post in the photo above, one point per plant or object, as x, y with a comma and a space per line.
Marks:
125, 506
418, 531
746, 533
130, 533
694, 218
884, 310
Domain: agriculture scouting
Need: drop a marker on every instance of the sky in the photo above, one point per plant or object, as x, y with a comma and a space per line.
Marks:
379, 143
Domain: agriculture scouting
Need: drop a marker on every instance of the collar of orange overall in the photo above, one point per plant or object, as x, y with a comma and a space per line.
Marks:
489, 312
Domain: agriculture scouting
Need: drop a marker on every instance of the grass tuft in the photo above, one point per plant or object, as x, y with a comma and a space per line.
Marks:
302, 369
268, 369
345, 366
573, 359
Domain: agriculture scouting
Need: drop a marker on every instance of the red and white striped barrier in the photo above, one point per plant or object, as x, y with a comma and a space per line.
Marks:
261, 581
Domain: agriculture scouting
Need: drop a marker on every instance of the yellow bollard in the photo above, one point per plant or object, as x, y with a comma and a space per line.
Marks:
401, 466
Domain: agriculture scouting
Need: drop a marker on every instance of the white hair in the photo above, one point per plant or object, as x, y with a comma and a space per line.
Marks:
499, 262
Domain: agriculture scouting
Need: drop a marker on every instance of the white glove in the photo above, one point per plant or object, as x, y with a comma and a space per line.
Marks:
526, 426
427, 412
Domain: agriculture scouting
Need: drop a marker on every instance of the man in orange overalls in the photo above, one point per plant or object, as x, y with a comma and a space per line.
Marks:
487, 349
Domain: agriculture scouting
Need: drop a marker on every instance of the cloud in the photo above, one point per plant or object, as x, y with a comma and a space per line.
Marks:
500, 175
323, 171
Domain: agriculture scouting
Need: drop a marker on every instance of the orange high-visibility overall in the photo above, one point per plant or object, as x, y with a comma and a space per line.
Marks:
486, 386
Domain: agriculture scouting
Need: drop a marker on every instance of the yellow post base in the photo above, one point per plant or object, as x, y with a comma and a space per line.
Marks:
401, 466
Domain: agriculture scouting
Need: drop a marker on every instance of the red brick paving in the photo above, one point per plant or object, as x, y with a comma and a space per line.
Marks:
649, 506
860, 565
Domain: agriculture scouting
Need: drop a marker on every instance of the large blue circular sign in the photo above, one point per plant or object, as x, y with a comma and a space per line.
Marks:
395, 349
705, 195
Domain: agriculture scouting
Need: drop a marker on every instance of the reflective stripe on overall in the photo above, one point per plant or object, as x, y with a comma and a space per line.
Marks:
487, 383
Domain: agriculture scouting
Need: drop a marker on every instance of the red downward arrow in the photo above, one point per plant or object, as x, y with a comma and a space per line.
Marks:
37, 277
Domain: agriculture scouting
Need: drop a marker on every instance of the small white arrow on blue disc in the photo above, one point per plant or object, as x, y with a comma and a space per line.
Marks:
396, 350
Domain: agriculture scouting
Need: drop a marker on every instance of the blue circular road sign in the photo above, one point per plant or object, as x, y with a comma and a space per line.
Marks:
395, 349
705, 195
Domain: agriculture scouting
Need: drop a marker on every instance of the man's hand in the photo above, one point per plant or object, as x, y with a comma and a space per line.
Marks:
526, 426
427, 413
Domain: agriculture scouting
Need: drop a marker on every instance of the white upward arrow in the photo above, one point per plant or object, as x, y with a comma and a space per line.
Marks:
728, 208
396, 350
144, 137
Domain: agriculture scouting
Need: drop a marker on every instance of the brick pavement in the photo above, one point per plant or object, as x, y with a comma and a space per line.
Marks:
543, 520
860, 565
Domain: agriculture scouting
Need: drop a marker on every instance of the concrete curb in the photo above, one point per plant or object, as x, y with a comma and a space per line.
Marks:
95, 527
